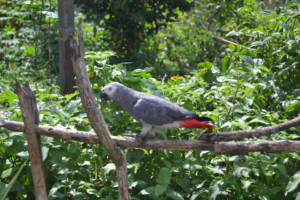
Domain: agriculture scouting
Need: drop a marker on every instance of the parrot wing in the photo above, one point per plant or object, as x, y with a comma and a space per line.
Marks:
157, 111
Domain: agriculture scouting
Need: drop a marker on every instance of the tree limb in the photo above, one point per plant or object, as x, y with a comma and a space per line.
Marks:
30, 117
93, 112
223, 40
234, 135
91, 138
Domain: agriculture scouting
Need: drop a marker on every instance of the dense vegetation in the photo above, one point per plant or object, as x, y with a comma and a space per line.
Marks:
251, 85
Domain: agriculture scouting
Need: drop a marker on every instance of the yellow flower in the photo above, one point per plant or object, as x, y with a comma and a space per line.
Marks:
270, 1
174, 78
205, 70
91, 74
181, 78
291, 32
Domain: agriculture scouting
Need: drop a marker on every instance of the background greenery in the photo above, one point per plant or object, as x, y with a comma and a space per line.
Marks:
250, 86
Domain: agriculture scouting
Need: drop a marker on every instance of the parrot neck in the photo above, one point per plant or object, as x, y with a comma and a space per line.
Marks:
126, 100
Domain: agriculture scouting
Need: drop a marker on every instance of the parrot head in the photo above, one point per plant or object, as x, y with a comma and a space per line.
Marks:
109, 91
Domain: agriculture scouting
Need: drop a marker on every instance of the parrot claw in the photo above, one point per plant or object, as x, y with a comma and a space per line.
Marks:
138, 138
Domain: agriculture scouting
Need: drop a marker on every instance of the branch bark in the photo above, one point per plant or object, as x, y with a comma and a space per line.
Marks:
234, 135
223, 40
30, 114
91, 138
93, 112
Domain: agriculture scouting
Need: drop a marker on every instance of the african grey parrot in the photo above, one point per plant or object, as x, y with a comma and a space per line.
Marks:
152, 111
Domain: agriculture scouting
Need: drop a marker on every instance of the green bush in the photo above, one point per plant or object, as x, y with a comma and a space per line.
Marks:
252, 85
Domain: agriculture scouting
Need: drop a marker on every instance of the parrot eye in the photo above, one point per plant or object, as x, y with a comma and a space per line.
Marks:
109, 89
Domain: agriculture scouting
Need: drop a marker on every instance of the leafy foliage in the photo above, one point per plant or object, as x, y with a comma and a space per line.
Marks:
131, 21
252, 85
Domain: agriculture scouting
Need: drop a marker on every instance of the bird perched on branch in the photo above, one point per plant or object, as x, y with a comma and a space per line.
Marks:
152, 111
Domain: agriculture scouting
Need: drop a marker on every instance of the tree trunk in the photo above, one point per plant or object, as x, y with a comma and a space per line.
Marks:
66, 32
94, 115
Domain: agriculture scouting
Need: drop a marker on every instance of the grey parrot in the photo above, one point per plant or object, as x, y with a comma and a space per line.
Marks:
152, 111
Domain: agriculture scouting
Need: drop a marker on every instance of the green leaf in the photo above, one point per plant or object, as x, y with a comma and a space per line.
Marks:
109, 167
92, 191
241, 169
256, 43
11, 183
226, 63
184, 183
174, 195
6, 173
10, 94
297, 195
148, 190
249, 86
245, 184
293, 106
274, 190
164, 176
55, 187
231, 46
216, 189
294, 16
259, 120
70, 96
72, 105
293, 183
159, 189
215, 170
217, 66
247, 59
45, 151
208, 64
281, 168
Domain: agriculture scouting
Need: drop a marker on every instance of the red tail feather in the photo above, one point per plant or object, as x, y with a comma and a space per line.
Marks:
193, 123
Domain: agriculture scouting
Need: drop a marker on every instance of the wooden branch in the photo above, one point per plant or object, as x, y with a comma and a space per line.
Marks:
248, 36
223, 40
91, 138
234, 135
36, 113
93, 112
30, 117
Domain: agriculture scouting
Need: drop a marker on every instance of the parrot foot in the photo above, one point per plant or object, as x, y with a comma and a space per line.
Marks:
138, 138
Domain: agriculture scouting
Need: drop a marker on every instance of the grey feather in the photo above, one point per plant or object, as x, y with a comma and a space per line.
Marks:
149, 108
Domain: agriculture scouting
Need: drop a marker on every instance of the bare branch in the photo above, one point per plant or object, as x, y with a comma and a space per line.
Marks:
223, 40
30, 117
234, 135
95, 117
91, 138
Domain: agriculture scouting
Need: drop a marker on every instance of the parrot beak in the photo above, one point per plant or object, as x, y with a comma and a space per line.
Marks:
103, 96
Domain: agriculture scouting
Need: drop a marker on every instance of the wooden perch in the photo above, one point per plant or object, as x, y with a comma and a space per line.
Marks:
91, 138
93, 112
30, 117
234, 135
